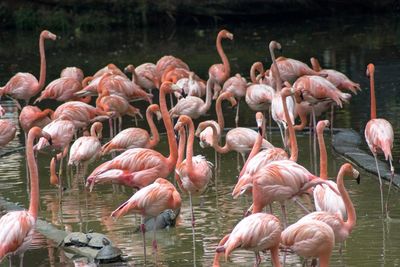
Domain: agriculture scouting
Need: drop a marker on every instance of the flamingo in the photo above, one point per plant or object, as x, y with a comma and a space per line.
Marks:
237, 85
136, 137
192, 86
257, 232
194, 106
86, 149
258, 95
33, 116
61, 132
324, 198
72, 72
109, 68
62, 89
150, 201
7, 132
341, 228
303, 109
143, 75
16, 227
310, 239
338, 79
221, 72
138, 167
163, 64
379, 135
24, 85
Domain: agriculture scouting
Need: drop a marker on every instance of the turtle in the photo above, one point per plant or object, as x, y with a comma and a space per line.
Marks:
108, 253
77, 239
96, 240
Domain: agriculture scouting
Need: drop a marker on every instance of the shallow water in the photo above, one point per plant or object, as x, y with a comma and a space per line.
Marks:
345, 44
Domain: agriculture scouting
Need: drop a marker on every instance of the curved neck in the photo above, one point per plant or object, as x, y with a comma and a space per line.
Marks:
323, 169
253, 152
256, 67
351, 212
181, 147
315, 64
33, 173
189, 145
275, 71
42, 78
134, 75
373, 100
303, 121
292, 135
93, 130
173, 148
220, 116
153, 129
224, 58
216, 145
204, 108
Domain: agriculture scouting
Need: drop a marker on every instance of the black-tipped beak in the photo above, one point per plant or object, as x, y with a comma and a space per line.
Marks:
184, 95
358, 179
260, 131
50, 141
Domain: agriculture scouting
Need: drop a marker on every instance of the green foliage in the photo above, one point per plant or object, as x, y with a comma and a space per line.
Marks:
57, 19
26, 18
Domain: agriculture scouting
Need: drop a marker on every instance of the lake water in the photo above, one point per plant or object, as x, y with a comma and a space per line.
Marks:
347, 44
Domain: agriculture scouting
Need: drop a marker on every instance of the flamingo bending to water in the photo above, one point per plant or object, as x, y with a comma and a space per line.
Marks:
7, 132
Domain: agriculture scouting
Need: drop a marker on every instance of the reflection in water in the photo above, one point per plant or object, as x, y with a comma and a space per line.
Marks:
346, 45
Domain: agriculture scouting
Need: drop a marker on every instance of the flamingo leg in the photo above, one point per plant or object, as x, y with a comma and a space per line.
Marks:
390, 187
115, 125
283, 138
270, 122
380, 182
237, 115
258, 259
314, 139
306, 211
332, 115
120, 123
283, 208
143, 230
193, 232
154, 237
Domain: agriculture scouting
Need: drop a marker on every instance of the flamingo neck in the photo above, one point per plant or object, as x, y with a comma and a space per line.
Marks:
181, 147
315, 64
33, 173
153, 129
323, 168
294, 151
204, 108
173, 148
324, 260
224, 58
216, 145
189, 145
134, 76
275, 257
42, 77
275, 71
253, 152
303, 121
255, 67
220, 116
373, 100
351, 212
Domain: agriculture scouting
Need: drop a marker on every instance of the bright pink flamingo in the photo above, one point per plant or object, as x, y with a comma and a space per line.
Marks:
136, 137
163, 64
338, 79
24, 85
257, 232
7, 132
379, 134
86, 149
143, 75
138, 167
73, 72
310, 239
151, 201
237, 85
61, 132
341, 228
16, 227
221, 72
194, 106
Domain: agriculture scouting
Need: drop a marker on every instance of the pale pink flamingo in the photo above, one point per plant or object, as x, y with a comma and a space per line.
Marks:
24, 85
379, 134
193, 85
86, 149
73, 72
138, 167
237, 85
324, 198
221, 72
163, 64
62, 89
258, 95
257, 232
341, 228
338, 79
61, 132
310, 239
7, 131
136, 137
194, 106
16, 227
143, 75
151, 201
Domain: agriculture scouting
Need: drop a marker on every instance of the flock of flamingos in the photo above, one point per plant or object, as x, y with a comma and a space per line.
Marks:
289, 88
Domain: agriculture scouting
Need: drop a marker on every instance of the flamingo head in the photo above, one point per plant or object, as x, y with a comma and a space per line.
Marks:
226, 34
48, 35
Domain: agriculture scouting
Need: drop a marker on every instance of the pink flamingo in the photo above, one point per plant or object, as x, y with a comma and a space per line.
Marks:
136, 137
163, 64
86, 149
379, 134
138, 167
143, 75
61, 132
109, 68
237, 85
7, 132
221, 72
16, 227
310, 239
257, 232
338, 79
62, 89
24, 85
194, 106
258, 95
73, 72
32, 116
341, 228
303, 109
150, 201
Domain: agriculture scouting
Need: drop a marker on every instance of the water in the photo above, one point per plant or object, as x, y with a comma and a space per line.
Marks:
344, 44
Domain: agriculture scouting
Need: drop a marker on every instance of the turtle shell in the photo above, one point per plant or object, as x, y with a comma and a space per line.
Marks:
96, 240
108, 253
76, 239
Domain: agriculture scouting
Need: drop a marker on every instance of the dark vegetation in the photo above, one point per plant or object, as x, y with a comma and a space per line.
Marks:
89, 15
